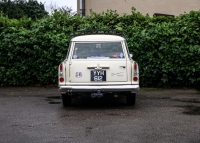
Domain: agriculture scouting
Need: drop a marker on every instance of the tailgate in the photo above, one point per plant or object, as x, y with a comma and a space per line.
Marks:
87, 71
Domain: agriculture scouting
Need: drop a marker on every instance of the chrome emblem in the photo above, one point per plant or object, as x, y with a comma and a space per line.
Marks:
98, 67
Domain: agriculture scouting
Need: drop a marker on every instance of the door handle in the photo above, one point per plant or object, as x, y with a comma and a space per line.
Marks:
98, 67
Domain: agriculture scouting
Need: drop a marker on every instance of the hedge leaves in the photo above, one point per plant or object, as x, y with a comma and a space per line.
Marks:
167, 49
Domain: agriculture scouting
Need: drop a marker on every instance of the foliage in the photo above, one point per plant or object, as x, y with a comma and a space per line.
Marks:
19, 8
167, 49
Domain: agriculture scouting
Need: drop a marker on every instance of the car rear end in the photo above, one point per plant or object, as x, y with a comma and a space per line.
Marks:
98, 65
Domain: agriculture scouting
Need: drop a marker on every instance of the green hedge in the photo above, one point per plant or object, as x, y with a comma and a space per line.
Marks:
166, 48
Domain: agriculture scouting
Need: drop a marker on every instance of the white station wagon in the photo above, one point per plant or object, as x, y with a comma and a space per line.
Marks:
98, 64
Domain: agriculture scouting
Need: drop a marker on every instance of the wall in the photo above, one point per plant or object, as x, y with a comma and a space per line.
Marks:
173, 7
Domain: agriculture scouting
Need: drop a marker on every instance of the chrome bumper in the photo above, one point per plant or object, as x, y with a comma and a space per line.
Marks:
113, 88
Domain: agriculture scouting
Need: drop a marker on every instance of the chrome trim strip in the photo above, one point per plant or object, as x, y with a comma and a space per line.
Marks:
98, 68
132, 88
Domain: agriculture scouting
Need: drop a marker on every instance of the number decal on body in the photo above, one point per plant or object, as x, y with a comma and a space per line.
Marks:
78, 74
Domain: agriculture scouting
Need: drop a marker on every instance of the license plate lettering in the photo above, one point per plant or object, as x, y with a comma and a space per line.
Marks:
98, 78
98, 75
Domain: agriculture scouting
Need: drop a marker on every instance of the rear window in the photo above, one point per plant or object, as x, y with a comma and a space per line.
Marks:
98, 50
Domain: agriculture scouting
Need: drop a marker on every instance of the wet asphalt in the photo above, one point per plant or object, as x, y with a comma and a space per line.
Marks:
36, 115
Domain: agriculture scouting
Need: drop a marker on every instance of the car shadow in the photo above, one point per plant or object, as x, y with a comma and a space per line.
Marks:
84, 103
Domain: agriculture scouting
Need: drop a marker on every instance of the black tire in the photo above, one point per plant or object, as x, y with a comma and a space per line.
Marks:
66, 100
131, 99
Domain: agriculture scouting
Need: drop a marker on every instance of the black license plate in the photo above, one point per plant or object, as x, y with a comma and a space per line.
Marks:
98, 75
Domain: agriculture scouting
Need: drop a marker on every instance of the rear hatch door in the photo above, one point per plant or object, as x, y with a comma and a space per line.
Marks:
98, 62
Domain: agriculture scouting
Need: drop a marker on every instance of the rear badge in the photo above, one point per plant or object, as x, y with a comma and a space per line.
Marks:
117, 74
78, 74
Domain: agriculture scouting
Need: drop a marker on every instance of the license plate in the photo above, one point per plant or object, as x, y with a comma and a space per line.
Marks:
98, 75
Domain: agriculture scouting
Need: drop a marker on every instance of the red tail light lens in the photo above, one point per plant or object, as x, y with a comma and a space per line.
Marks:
135, 78
61, 67
61, 73
135, 67
135, 72
61, 79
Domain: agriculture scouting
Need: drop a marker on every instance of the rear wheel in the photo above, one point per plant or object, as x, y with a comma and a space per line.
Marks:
131, 99
66, 100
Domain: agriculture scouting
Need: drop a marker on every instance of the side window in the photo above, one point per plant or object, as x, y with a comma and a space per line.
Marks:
128, 50
68, 51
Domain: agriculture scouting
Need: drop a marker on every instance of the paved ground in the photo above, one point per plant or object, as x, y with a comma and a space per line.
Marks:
33, 114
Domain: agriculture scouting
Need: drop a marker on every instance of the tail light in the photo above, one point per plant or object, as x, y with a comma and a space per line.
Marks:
61, 79
61, 67
61, 73
135, 78
135, 72
135, 68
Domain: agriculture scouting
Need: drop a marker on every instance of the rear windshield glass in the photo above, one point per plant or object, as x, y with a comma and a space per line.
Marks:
98, 50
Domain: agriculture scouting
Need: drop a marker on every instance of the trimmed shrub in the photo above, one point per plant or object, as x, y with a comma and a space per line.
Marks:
167, 49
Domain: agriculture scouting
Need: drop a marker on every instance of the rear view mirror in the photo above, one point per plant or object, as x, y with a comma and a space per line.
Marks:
131, 55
